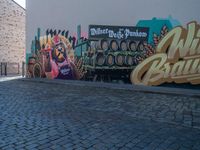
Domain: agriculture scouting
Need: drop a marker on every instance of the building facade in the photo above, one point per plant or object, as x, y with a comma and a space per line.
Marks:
12, 34
68, 14
110, 38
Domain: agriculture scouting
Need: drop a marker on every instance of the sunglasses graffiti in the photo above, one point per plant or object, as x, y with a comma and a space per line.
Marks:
177, 59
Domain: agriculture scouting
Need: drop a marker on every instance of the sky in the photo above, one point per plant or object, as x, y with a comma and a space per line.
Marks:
21, 2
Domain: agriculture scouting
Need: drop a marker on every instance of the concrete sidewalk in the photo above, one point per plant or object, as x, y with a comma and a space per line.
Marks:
136, 88
8, 78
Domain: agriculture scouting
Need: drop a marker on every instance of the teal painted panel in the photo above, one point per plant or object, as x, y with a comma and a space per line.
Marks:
155, 25
80, 49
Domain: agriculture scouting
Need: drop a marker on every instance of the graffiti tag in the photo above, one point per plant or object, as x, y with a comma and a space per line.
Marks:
177, 59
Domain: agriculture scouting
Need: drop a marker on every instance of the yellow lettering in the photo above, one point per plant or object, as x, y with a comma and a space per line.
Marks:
150, 71
177, 69
194, 67
187, 67
177, 59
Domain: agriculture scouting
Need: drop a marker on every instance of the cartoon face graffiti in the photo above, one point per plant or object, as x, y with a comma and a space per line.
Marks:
58, 60
59, 53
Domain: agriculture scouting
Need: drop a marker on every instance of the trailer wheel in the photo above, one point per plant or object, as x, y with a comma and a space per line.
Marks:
37, 70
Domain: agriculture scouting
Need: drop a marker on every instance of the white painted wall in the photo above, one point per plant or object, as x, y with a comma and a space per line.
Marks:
67, 14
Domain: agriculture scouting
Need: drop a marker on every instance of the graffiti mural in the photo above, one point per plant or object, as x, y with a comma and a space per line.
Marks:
119, 54
177, 59
53, 57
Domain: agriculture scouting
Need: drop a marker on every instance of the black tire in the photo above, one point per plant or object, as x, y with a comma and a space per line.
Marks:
104, 45
100, 59
120, 59
129, 60
114, 45
123, 45
141, 47
132, 46
110, 60
136, 58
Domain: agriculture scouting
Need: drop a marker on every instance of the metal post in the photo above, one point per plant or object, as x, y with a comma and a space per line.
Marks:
5, 65
18, 68
23, 70
1, 68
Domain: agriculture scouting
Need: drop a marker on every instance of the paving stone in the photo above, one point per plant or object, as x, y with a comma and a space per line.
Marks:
45, 116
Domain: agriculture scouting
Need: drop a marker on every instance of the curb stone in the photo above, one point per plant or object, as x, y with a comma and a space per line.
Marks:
135, 88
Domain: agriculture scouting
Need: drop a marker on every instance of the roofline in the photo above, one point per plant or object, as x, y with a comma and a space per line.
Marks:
19, 5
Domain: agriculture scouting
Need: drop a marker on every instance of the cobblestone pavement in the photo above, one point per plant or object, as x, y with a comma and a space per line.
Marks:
52, 116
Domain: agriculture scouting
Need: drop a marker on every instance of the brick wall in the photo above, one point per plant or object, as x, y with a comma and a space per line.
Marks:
12, 32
